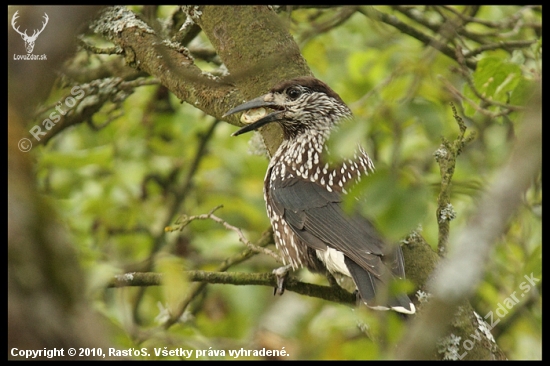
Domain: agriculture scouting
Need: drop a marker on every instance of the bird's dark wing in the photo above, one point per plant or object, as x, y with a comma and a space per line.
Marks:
311, 210
316, 216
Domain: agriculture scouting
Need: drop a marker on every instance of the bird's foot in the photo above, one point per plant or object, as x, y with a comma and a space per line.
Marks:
280, 274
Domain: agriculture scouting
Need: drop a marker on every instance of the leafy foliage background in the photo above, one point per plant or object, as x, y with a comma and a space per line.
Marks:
118, 180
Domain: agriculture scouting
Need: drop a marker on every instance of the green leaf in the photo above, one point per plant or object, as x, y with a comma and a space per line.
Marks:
495, 79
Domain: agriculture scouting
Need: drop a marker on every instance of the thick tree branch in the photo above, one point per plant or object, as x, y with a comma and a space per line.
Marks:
258, 51
169, 62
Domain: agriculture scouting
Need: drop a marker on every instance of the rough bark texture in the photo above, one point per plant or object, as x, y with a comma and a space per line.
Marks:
258, 51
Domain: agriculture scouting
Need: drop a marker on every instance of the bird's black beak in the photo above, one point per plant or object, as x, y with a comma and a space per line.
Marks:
259, 102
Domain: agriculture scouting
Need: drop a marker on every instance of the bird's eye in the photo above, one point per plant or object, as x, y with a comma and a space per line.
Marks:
293, 93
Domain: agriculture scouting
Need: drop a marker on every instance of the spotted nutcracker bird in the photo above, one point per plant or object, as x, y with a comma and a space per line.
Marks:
303, 193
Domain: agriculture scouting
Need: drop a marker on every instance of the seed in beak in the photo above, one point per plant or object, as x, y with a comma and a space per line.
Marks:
253, 115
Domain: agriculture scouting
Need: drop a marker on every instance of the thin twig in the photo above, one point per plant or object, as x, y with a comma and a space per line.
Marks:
446, 158
450, 87
115, 50
503, 24
413, 32
322, 27
508, 46
196, 288
329, 293
184, 220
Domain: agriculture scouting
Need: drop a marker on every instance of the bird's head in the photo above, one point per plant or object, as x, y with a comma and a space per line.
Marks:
298, 105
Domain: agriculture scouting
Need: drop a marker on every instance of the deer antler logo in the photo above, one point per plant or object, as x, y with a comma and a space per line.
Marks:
29, 41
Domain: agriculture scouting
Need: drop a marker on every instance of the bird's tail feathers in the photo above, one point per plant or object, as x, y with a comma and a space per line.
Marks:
368, 286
